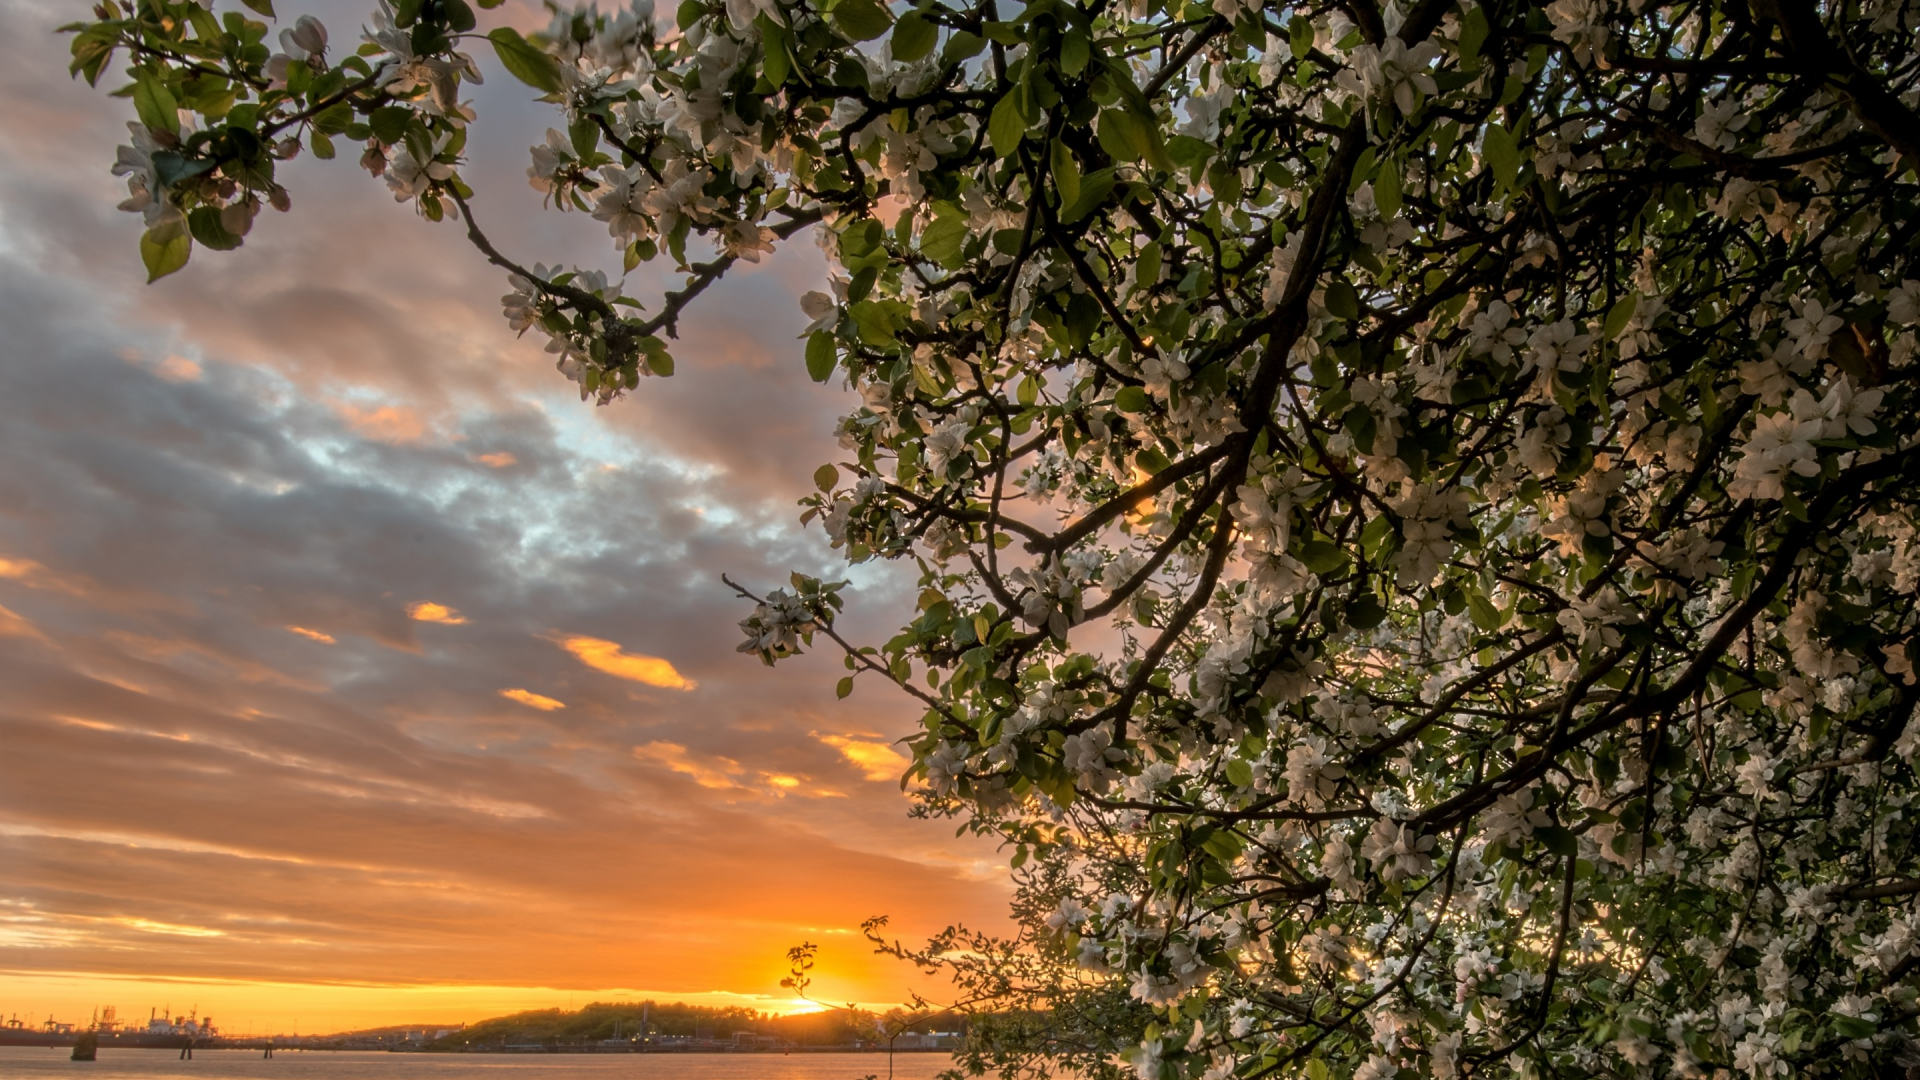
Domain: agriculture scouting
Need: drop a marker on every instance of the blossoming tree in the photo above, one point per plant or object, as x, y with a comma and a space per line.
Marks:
1414, 505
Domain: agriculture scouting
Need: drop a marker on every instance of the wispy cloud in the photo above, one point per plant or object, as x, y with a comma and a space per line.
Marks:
875, 759
386, 423
609, 657
533, 700
708, 772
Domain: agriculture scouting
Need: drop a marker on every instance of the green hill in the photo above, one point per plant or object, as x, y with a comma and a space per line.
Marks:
611, 1020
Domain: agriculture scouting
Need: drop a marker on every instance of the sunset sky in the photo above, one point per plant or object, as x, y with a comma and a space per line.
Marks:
353, 672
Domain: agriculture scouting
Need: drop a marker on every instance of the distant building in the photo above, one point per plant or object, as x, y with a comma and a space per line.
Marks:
928, 1040
753, 1040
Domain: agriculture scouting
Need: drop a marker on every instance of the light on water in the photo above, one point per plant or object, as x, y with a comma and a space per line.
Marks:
39, 1063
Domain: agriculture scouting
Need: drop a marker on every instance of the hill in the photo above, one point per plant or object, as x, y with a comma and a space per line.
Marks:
623, 1020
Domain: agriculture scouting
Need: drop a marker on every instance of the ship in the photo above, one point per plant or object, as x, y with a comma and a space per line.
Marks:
162, 1031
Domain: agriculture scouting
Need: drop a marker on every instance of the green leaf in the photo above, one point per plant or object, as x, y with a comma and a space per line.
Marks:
1074, 53
524, 60
944, 241
1147, 266
1556, 839
1485, 615
1375, 535
156, 105
1132, 399
389, 123
1094, 189
1386, 190
1239, 772
1323, 557
584, 134
1502, 154
960, 46
1300, 37
1852, 1027
205, 224
263, 7
1223, 845
164, 249
844, 687
1619, 315
1066, 174
1121, 135
875, 320
778, 62
1007, 126
170, 168
459, 15
861, 20
826, 476
90, 53
821, 356
1342, 301
689, 12
1473, 34
914, 36
1189, 152
1364, 611
1028, 391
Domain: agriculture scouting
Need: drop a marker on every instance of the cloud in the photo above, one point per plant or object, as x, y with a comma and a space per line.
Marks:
314, 635
711, 772
875, 759
428, 611
177, 369
366, 820
35, 575
607, 656
19, 569
533, 700
12, 625
387, 424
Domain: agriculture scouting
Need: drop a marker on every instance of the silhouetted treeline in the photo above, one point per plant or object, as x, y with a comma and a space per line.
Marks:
610, 1020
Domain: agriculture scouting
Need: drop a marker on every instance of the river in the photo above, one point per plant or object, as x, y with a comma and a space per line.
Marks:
40, 1063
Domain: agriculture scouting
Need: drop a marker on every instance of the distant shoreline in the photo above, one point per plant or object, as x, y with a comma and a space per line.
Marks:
107, 1043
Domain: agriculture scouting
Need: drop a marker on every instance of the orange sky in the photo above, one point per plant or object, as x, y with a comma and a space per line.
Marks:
355, 673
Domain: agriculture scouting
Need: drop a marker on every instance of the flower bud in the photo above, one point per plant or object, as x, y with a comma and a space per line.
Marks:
307, 38
280, 199
237, 217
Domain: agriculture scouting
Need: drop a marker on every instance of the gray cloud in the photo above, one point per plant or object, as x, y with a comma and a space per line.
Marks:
229, 749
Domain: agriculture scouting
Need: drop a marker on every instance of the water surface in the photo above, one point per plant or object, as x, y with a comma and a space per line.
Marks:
40, 1063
